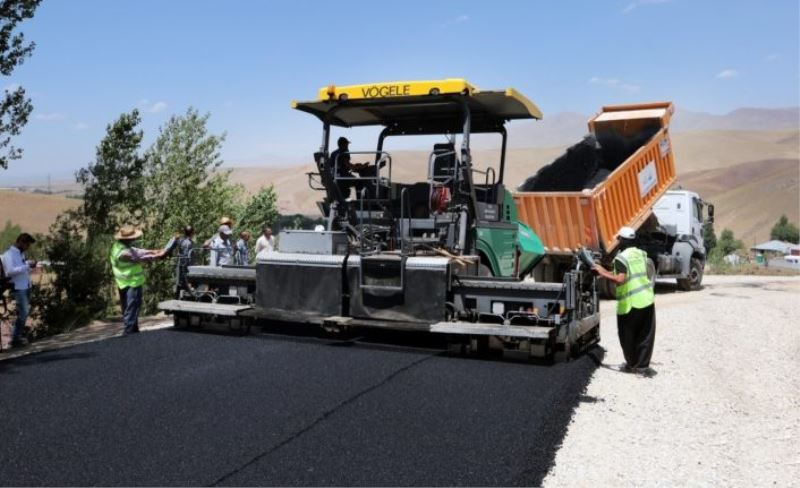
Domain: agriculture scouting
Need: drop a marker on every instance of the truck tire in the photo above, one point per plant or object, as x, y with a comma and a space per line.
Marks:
606, 289
694, 281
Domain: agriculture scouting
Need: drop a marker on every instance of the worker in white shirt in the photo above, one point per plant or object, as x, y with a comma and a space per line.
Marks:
266, 241
213, 259
18, 270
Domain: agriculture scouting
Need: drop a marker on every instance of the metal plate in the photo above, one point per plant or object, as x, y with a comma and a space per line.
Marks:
495, 284
479, 328
202, 307
235, 273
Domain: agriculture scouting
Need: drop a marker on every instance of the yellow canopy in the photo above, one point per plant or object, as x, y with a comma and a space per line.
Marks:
422, 107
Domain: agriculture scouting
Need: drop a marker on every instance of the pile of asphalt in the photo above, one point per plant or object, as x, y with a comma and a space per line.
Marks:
182, 408
587, 163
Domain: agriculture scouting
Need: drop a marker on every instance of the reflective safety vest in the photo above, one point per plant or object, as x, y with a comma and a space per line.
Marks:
126, 274
637, 290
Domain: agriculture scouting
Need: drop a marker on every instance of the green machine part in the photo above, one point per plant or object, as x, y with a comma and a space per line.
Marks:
499, 242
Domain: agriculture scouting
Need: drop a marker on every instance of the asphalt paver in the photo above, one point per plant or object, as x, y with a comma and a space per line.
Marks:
180, 408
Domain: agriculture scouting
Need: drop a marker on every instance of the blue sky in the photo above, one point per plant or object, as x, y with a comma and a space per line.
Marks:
245, 61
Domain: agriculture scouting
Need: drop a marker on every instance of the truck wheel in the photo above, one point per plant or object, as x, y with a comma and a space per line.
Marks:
695, 278
484, 270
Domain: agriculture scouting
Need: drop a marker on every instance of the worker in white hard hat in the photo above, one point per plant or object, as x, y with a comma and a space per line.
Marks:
636, 310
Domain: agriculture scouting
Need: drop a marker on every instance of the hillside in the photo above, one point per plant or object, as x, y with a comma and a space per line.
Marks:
750, 196
33, 212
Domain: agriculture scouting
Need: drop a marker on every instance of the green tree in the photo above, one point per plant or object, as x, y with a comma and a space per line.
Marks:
728, 243
260, 210
783, 230
8, 235
81, 288
15, 107
709, 237
113, 183
183, 186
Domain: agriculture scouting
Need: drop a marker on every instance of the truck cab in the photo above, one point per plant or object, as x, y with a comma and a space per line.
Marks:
684, 211
675, 242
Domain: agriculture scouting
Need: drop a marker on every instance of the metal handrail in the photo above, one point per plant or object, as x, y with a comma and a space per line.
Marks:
489, 187
403, 198
432, 160
384, 156
314, 178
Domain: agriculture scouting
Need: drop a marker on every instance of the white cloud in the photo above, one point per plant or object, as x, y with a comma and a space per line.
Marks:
772, 57
614, 83
727, 73
228, 104
641, 3
81, 126
53, 116
456, 20
152, 107
12, 87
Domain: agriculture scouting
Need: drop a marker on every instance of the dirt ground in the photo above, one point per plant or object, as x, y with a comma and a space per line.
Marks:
723, 408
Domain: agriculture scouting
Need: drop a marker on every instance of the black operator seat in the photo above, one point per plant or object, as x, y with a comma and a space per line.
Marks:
444, 163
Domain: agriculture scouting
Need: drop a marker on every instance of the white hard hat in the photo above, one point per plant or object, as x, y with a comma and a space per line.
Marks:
626, 233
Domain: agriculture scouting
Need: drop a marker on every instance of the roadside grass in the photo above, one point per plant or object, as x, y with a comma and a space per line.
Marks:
749, 269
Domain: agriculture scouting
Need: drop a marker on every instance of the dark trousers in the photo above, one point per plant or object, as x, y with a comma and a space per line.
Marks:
22, 299
182, 281
130, 300
637, 335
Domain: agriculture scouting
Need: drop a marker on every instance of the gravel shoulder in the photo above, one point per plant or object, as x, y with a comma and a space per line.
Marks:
723, 408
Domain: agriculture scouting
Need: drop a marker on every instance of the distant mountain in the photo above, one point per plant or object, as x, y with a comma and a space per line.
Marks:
558, 130
739, 119
569, 127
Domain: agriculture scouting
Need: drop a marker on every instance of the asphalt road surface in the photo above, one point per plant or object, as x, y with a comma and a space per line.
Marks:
185, 408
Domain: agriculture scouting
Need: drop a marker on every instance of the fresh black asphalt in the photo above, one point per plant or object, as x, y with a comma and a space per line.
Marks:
181, 408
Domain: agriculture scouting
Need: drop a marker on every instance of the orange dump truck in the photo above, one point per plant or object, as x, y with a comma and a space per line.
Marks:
564, 220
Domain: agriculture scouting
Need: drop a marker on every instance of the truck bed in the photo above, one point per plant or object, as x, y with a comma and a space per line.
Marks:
592, 217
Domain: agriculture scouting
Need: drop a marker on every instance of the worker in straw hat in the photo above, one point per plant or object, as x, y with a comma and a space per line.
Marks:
126, 262
636, 309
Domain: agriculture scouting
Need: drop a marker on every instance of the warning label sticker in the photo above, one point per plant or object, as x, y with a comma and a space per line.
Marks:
648, 177
663, 147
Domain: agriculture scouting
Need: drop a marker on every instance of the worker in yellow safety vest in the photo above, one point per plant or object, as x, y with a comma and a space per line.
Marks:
636, 309
126, 262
